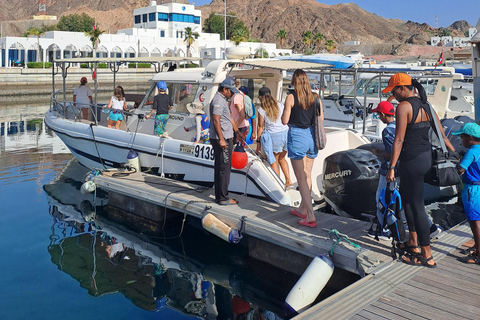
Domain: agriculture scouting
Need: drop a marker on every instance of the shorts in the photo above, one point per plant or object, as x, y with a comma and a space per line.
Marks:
115, 116
279, 141
471, 201
300, 143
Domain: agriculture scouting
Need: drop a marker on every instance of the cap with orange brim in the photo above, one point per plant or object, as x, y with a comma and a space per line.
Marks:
398, 79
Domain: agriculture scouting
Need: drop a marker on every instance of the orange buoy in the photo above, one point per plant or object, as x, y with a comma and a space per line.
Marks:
239, 157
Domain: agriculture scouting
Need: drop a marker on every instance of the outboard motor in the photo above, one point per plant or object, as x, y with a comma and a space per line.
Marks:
350, 181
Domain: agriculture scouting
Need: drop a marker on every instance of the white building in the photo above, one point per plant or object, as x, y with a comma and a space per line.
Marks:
158, 30
448, 41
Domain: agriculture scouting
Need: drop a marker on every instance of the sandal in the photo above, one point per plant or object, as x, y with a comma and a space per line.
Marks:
305, 223
298, 214
470, 259
419, 261
468, 251
228, 202
406, 249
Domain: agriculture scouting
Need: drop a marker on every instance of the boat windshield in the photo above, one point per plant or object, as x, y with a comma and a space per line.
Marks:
181, 94
373, 89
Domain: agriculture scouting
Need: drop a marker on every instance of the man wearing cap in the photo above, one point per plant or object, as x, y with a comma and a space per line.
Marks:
221, 137
469, 168
162, 103
82, 97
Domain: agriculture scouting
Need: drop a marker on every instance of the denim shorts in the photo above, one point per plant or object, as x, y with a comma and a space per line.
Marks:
115, 116
471, 201
279, 141
301, 143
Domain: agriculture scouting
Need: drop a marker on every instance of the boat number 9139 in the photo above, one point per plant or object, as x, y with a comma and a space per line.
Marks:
204, 152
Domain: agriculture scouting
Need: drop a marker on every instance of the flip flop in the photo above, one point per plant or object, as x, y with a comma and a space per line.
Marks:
229, 202
470, 259
298, 214
305, 223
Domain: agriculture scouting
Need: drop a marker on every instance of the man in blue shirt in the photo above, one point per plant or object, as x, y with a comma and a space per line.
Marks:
469, 168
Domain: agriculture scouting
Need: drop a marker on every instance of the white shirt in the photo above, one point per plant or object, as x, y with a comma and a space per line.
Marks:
274, 126
82, 94
117, 104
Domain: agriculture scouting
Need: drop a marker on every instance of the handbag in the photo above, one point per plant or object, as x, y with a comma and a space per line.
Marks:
320, 136
444, 169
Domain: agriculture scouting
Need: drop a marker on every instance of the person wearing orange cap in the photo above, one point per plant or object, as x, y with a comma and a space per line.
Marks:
82, 97
413, 148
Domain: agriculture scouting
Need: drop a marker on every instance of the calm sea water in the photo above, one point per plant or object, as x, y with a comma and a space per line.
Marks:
63, 259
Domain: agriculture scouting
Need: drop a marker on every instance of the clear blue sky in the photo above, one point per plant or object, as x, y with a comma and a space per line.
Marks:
447, 11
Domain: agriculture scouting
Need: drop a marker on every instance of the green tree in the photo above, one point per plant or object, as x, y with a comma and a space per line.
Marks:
190, 36
76, 22
215, 24
330, 45
94, 35
240, 34
307, 38
261, 53
318, 38
442, 32
282, 35
35, 32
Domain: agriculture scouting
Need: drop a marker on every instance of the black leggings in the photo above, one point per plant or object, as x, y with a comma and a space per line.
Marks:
411, 191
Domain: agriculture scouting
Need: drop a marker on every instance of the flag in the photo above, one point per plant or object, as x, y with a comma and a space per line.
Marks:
95, 25
440, 60
94, 74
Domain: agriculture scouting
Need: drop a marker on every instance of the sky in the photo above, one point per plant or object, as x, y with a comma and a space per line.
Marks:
447, 11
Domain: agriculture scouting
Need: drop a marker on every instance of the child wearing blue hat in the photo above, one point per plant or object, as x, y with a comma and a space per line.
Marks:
469, 168
162, 103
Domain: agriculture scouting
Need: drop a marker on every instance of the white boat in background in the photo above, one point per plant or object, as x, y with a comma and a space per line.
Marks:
98, 147
337, 61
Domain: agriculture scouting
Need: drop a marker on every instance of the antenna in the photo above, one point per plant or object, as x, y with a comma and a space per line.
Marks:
436, 22
42, 7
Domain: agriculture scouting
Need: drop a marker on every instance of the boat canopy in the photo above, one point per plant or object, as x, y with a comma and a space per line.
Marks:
127, 60
287, 65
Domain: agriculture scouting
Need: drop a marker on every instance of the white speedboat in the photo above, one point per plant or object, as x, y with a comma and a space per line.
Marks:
97, 147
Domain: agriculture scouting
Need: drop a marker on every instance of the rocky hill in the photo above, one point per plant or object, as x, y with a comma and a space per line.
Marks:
264, 18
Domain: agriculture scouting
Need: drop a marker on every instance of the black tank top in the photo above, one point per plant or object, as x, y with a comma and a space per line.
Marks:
299, 117
416, 139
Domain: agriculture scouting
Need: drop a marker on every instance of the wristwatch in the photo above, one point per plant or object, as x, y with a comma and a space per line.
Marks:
258, 141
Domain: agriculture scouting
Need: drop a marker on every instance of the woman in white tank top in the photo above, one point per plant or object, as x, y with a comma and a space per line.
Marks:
118, 104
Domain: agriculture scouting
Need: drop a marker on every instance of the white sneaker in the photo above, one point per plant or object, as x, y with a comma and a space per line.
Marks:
434, 231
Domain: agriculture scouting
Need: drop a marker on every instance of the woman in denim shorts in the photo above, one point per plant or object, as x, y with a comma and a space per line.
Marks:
299, 113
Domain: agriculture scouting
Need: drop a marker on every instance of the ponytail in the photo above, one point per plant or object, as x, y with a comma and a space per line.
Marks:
421, 90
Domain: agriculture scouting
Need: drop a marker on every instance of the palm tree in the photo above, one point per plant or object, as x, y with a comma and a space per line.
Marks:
239, 35
190, 36
94, 36
307, 38
282, 35
35, 32
318, 38
330, 45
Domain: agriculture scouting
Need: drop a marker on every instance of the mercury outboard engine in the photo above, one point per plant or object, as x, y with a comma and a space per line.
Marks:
350, 180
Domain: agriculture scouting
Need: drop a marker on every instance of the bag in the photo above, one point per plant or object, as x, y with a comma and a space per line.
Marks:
444, 169
320, 136
390, 215
248, 106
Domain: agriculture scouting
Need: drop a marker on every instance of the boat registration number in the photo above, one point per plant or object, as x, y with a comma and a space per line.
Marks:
198, 151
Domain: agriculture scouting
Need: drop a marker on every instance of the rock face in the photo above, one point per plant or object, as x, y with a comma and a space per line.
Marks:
264, 18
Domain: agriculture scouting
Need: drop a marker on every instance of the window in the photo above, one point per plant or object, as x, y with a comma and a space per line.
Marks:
151, 16
162, 16
137, 19
162, 33
196, 20
144, 17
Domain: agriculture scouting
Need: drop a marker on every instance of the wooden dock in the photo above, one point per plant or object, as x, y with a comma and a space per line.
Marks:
401, 291
354, 251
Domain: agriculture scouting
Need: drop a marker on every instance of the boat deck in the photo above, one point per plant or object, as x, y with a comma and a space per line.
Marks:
402, 291
264, 220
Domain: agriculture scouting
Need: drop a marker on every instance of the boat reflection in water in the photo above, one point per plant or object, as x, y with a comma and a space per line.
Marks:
156, 276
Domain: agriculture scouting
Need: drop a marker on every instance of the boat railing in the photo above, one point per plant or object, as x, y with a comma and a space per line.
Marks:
68, 109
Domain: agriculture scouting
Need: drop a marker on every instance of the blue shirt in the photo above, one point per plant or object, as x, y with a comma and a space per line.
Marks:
471, 164
388, 135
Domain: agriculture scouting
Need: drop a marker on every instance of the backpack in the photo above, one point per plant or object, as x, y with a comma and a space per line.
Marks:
391, 215
248, 106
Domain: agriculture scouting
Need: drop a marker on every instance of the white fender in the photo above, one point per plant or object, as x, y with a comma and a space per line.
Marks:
133, 160
88, 187
310, 284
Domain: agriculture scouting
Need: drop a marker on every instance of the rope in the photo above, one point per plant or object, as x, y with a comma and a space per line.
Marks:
96, 147
334, 232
